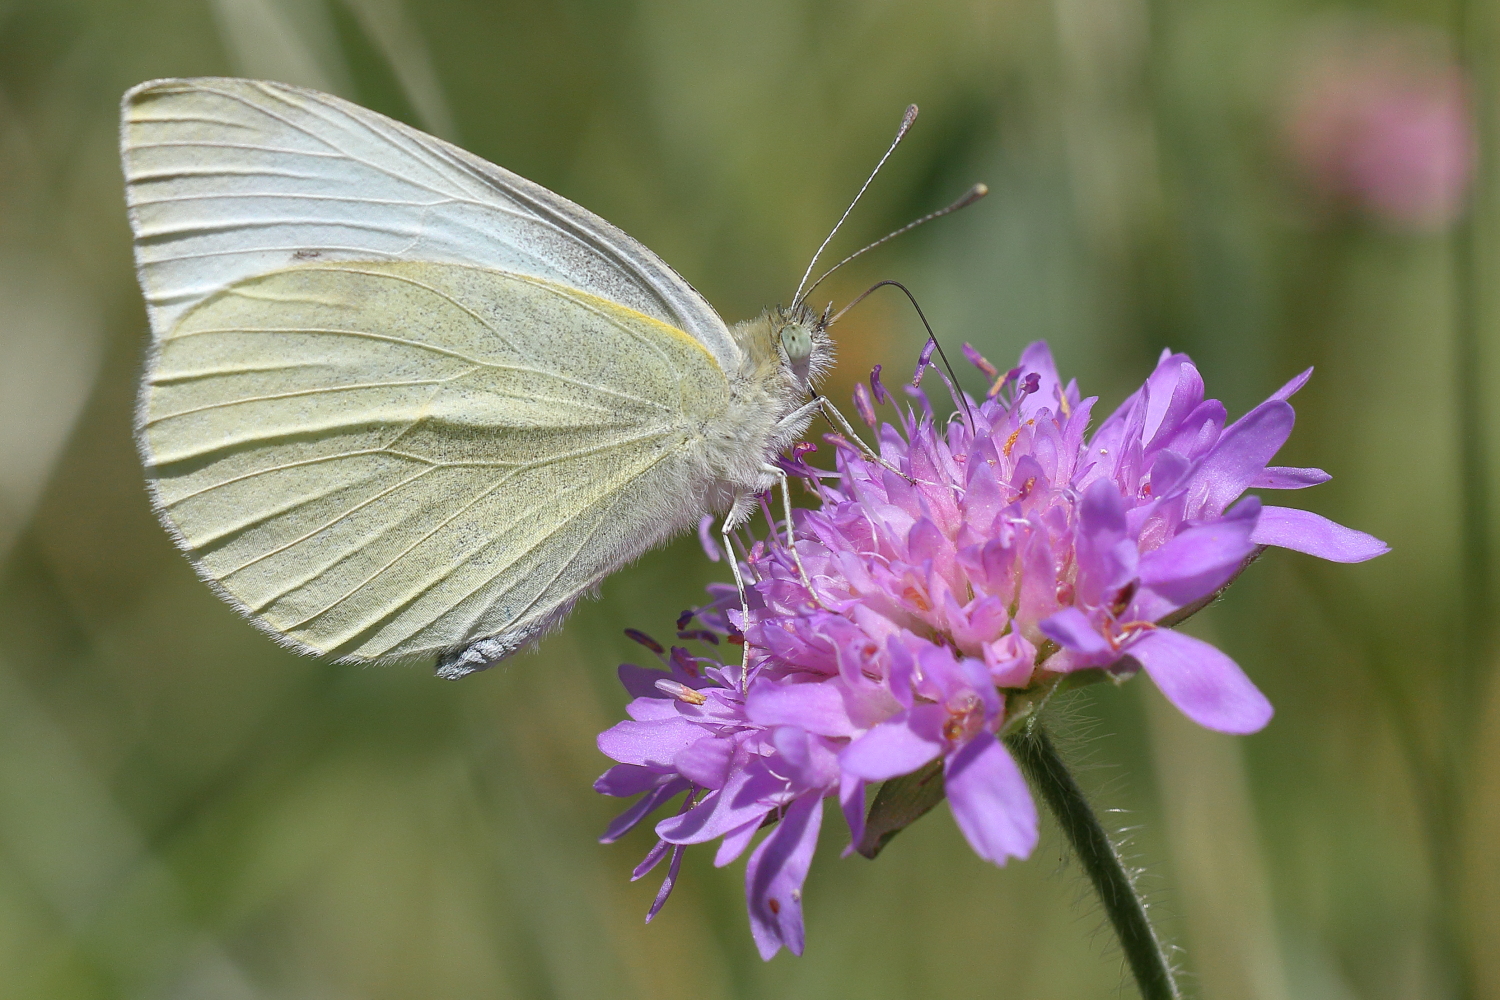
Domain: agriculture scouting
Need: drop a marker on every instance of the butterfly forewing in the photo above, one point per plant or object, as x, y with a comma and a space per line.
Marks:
228, 179
383, 460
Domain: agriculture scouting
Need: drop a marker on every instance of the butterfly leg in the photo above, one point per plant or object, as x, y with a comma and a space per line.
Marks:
835, 417
786, 513
739, 582
825, 406
811, 406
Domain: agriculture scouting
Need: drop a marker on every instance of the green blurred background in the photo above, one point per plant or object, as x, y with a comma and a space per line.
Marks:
187, 811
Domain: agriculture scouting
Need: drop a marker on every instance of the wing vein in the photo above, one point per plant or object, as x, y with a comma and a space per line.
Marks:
344, 515
298, 393
469, 505
339, 151
189, 230
203, 291
284, 466
294, 196
527, 551
219, 144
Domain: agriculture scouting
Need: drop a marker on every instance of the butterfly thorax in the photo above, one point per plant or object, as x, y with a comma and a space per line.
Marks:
784, 353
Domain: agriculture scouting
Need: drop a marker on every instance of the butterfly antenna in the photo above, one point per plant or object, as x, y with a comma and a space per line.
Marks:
962, 398
970, 197
906, 120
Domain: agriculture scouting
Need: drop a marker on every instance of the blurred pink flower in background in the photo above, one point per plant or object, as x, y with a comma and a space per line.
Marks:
1378, 119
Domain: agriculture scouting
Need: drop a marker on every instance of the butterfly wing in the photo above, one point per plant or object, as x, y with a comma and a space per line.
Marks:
387, 460
227, 179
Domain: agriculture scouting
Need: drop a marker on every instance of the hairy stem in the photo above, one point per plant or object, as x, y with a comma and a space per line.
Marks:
1050, 778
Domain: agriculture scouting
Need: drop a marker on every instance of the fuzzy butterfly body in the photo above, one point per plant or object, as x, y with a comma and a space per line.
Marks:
402, 403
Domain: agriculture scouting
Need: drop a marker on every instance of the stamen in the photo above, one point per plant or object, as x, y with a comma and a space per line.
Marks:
980, 361
864, 405
680, 691
965, 718
1010, 442
637, 635
686, 662
923, 360
917, 599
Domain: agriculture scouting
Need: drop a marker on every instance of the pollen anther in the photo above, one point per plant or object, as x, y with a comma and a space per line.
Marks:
680, 691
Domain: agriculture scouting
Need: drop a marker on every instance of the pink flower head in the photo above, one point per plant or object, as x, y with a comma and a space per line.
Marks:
1379, 118
981, 558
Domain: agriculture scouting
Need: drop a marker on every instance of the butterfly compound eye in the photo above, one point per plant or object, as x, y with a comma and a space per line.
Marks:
797, 341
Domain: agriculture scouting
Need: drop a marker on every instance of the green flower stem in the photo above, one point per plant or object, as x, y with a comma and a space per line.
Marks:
1050, 778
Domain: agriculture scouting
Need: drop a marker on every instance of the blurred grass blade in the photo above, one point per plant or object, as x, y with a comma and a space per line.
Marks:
385, 23
292, 41
1215, 852
85, 865
51, 345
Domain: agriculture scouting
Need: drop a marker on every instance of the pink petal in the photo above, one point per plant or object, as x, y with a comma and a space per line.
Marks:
625, 780
989, 800
1239, 457
1071, 629
817, 707
1205, 685
735, 842
1304, 531
1281, 477
852, 800
666, 885
1202, 559
774, 877
1104, 563
710, 544
640, 682
1173, 390
1290, 389
641, 808
705, 762
890, 749
1037, 357
652, 744
747, 795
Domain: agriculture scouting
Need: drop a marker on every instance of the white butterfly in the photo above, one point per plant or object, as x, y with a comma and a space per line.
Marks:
404, 403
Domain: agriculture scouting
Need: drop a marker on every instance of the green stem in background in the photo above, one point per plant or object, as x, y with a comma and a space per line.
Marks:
1050, 778
1472, 33
1469, 375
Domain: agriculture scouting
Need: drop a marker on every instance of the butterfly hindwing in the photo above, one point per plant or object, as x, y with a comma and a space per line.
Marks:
384, 460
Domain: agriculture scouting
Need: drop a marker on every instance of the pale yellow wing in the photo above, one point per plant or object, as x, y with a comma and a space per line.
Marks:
388, 460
